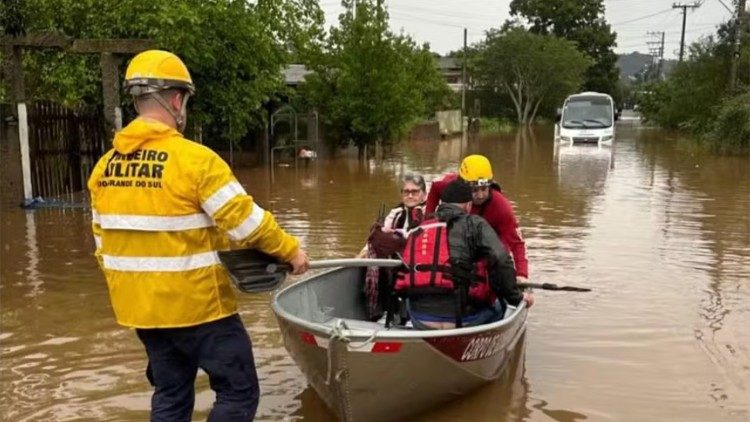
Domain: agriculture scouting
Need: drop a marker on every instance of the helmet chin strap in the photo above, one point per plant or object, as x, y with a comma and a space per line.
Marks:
179, 118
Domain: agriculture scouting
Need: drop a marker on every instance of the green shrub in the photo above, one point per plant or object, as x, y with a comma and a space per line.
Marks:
496, 125
731, 128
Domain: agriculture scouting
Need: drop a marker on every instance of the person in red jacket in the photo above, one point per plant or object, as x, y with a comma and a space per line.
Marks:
488, 202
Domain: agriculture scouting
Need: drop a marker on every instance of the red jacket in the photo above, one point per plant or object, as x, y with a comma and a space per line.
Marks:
498, 211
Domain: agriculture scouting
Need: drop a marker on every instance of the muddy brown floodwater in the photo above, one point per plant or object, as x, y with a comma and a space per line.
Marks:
659, 229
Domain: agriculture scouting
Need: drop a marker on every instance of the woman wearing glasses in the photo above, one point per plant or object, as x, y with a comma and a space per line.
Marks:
387, 237
410, 212
387, 240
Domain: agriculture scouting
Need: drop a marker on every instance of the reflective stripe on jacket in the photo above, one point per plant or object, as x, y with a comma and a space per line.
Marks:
162, 206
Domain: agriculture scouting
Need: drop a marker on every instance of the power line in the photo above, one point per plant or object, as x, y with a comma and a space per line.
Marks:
642, 17
677, 31
405, 16
444, 13
726, 7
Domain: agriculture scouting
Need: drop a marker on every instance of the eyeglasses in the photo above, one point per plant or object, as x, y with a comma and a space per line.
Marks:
407, 192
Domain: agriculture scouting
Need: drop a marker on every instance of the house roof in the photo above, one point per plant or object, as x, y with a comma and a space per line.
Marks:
448, 63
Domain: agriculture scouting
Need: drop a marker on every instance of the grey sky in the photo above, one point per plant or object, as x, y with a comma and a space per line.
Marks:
441, 22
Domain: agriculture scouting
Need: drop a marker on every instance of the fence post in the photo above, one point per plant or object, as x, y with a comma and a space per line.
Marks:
23, 139
75, 123
111, 92
266, 144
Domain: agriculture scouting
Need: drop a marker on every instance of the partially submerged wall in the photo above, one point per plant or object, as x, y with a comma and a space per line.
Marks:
449, 121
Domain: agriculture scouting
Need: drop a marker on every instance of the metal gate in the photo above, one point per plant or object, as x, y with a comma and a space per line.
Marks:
64, 146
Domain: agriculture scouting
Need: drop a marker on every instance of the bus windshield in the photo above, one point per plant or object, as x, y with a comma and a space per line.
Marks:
587, 112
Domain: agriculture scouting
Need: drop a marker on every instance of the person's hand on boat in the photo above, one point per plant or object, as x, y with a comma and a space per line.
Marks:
300, 263
528, 297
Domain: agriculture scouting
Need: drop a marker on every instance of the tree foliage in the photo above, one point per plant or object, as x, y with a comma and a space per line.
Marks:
369, 83
695, 97
533, 69
580, 21
694, 87
730, 132
235, 50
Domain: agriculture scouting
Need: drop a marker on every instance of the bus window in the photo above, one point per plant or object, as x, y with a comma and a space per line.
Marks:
587, 112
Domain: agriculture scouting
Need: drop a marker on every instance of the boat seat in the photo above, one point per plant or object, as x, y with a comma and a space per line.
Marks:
358, 324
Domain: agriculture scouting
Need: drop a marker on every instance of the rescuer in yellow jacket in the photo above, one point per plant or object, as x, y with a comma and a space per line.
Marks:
162, 207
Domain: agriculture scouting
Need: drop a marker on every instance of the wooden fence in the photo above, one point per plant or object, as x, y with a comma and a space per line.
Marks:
64, 146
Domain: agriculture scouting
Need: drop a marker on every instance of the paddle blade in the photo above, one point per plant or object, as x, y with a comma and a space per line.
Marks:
553, 287
253, 271
574, 289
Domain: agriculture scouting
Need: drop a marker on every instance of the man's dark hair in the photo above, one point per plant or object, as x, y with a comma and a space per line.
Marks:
457, 192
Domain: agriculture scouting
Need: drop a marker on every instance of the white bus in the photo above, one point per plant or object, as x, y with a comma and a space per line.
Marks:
588, 117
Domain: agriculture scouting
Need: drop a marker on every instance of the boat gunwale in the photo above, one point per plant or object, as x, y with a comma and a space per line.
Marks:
383, 333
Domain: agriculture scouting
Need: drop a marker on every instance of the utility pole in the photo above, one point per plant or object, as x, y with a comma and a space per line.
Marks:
684, 8
739, 28
661, 55
463, 84
656, 50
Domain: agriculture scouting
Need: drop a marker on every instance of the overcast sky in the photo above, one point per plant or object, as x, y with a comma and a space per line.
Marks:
441, 22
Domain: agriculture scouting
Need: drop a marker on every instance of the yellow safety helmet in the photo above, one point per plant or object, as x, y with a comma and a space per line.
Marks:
156, 70
476, 169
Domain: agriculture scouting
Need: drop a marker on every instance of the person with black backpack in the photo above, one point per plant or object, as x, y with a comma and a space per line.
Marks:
457, 271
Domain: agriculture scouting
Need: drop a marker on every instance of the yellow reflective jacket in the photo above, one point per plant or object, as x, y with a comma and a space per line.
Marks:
162, 207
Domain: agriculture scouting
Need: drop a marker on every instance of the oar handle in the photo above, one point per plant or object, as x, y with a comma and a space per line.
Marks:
340, 263
355, 262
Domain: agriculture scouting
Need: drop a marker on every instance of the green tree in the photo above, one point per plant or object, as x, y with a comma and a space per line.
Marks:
235, 50
695, 87
730, 132
580, 21
695, 97
369, 83
531, 68
428, 81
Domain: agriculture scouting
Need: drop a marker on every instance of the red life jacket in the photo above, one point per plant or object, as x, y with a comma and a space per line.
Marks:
430, 270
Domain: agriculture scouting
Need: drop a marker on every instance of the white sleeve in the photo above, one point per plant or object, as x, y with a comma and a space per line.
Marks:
391, 217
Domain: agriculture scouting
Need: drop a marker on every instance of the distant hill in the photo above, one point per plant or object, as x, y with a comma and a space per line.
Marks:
634, 63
